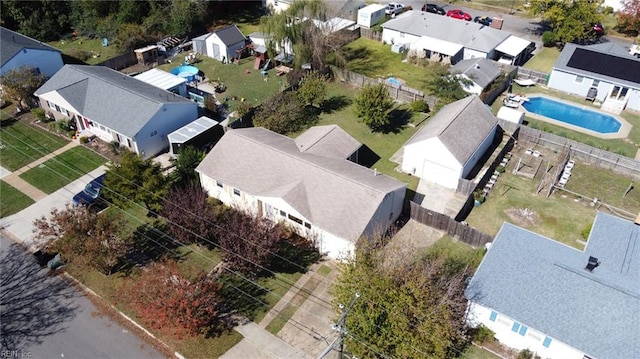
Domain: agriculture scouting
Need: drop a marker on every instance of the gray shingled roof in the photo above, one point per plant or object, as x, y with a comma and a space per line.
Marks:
230, 35
12, 42
612, 50
469, 34
461, 126
335, 195
543, 284
109, 97
327, 141
483, 74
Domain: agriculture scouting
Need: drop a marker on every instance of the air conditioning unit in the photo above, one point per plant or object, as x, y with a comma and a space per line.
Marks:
398, 48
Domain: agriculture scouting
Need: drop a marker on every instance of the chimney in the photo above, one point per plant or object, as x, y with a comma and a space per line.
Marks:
592, 264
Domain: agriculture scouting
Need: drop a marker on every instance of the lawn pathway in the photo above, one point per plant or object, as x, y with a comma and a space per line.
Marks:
23, 186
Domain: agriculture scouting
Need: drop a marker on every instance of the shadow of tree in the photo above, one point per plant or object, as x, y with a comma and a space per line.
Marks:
361, 60
296, 254
241, 295
150, 243
335, 103
33, 303
399, 119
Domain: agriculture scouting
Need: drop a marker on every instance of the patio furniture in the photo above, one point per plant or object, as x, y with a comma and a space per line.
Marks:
524, 82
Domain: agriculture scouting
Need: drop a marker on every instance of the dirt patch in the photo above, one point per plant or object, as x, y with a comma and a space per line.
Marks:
523, 217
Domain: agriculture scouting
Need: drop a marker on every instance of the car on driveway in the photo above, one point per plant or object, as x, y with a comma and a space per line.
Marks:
484, 20
459, 14
394, 8
598, 29
433, 8
90, 193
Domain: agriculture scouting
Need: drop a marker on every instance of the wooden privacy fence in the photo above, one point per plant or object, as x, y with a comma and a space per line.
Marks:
455, 229
399, 93
121, 61
537, 76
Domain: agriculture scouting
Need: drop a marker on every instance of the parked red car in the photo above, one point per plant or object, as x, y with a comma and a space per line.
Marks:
459, 14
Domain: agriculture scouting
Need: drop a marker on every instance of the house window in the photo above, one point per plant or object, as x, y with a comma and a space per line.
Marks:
307, 225
546, 342
295, 219
515, 327
57, 108
49, 104
523, 330
219, 184
595, 83
493, 316
236, 191
283, 213
129, 143
154, 133
64, 111
102, 127
579, 79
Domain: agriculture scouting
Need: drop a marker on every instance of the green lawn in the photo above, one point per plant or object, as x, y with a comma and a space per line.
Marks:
13, 201
448, 247
251, 86
21, 144
195, 259
92, 47
63, 169
543, 59
473, 352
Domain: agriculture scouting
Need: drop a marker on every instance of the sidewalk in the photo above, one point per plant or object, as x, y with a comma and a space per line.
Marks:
260, 344
25, 187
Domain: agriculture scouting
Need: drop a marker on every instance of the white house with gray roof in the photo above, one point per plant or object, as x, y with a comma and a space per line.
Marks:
116, 107
19, 50
328, 199
438, 35
560, 302
607, 67
448, 147
220, 44
480, 72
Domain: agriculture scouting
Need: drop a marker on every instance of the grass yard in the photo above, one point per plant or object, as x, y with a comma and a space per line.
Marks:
195, 259
13, 201
543, 60
452, 248
92, 47
473, 352
63, 169
21, 144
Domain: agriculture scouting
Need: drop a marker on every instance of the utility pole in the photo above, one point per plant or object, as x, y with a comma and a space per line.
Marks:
341, 328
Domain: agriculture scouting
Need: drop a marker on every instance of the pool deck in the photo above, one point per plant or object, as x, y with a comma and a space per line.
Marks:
623, 132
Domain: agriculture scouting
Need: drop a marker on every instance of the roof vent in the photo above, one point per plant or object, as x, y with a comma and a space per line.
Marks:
477, 66
593, 263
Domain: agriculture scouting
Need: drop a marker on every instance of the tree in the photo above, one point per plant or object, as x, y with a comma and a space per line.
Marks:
313, 89
19, 84
373, 104
191, 218
130, 37
410, 310
281, 113
135, 180
570, 20
248, 243
629, 18
86, 238
446, 86
188, 159
44, 20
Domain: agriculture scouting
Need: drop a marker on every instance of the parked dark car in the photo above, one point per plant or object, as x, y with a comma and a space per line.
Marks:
90, 193
484, 20
433, 8
459, 14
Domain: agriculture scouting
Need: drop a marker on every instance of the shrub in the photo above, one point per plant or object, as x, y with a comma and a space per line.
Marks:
80, 54
500, 169
548, 39
478, 196
84, 139
115, 147
586, 231
527, 354
419, 106
39, 114
210, 104
483, 334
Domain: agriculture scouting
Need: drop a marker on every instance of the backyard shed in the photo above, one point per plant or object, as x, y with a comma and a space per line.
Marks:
370, 15
510, 115
165, 81
222, 44
147, 55
202, 133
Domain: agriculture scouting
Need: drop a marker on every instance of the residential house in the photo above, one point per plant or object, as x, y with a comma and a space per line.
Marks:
329, 141
116, 107
480, 72
450, 145
607, 67
222, 44
19, 50
330, 200
277, 6
442, 38
561, 302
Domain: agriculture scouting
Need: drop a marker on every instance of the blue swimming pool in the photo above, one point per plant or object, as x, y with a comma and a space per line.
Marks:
573, 115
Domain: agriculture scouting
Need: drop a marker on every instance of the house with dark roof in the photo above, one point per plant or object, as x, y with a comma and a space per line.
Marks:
450, 145
608, 68
221, 44
560, 302
480, 72
314, 190
116, 107
19, 50
444, 38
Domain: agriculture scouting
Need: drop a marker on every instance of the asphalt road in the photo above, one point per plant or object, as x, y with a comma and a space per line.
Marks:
42, 316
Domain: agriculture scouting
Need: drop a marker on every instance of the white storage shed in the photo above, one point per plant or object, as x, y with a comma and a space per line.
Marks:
510, 115
370, 15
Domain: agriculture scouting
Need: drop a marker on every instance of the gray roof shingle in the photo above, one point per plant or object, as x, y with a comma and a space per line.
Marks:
334, 194
12, 42
327, 141
461, 126
543, 284
111, 98
230, 35
481, 71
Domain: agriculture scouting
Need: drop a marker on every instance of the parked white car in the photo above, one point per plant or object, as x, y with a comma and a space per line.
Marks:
394, 8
